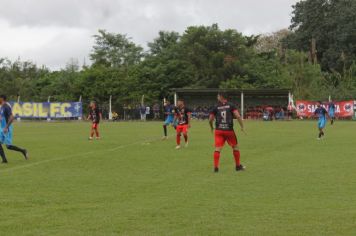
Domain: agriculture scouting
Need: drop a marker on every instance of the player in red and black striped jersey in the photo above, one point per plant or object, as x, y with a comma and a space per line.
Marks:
224, 114
182, 117
95, 116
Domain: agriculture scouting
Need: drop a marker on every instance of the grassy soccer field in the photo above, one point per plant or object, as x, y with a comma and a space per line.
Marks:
130, 183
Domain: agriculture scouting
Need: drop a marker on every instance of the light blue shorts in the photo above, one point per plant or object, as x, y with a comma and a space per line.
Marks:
332, 114
6, 138
321, 123
169, 120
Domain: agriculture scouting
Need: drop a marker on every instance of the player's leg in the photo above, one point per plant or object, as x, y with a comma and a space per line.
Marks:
165, 124
179, 133
217, 153
236, 153
185, 135
96, 129
232, 141
332, 119
321, 126
8, 142
97, 133
219, 144
92, 131
2, 154
165, 133
18, 149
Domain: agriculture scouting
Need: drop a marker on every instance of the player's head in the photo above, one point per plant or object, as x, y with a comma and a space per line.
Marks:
180, 103
166, 103
319, 103
222, 97
92, 104
3, 99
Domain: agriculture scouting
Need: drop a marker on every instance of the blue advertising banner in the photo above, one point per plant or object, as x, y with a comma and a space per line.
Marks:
47, 109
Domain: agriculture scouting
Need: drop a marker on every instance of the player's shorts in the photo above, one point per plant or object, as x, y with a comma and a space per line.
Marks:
169, 120
182, 129
321, 123
222, 136
6, 138
332, 114
95, 125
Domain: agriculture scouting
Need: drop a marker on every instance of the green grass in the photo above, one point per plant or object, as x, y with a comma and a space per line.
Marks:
129, 183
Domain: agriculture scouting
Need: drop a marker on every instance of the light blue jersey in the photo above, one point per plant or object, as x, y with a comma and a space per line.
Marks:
169, 112
5, 113
332, 110
321, 112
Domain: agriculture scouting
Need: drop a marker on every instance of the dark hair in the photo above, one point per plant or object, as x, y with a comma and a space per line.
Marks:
181, 99
320, 102
3, 97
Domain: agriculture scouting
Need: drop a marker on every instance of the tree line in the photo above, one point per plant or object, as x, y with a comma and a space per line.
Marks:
315, 57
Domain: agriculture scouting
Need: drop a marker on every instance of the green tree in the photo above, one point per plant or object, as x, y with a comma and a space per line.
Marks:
115, 50
332, 24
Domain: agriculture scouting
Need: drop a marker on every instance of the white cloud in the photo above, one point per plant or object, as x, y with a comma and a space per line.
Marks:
51, 32
51, 46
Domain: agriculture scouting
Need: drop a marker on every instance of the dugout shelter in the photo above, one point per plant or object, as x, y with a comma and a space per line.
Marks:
249, 101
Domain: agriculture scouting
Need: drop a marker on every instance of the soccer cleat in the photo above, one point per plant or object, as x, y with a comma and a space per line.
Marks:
186, 145
164, 138
240, 168
98, 138
178, 147
4, 162
25, 153
90, 138
216, 169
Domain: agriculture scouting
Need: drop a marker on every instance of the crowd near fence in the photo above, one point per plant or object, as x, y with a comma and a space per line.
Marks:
265, 105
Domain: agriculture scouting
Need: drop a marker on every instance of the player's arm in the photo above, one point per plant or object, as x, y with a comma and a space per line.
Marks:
327, 114
315, 114
175, 119
211, 121
239, 119
189, 119
9, 122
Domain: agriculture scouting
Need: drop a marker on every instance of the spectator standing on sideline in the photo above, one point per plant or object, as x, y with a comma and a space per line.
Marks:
156, 109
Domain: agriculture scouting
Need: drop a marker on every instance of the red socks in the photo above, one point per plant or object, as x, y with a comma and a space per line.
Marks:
237, 157
185, 138
178, 139
216, 159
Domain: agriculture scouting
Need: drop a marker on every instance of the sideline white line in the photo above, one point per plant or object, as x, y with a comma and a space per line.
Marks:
78, 155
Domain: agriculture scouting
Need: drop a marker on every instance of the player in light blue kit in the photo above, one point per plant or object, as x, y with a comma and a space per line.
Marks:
6, 130
322, 114
169, 114
332, 108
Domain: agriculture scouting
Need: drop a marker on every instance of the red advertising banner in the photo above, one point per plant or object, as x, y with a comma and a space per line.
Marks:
343, 109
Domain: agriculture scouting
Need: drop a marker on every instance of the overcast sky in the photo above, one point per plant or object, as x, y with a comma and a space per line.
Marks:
50, 32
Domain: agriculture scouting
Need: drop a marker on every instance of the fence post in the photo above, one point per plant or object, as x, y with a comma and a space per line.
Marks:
110, 110
18, 101
80, 100
175, 98
48, 115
